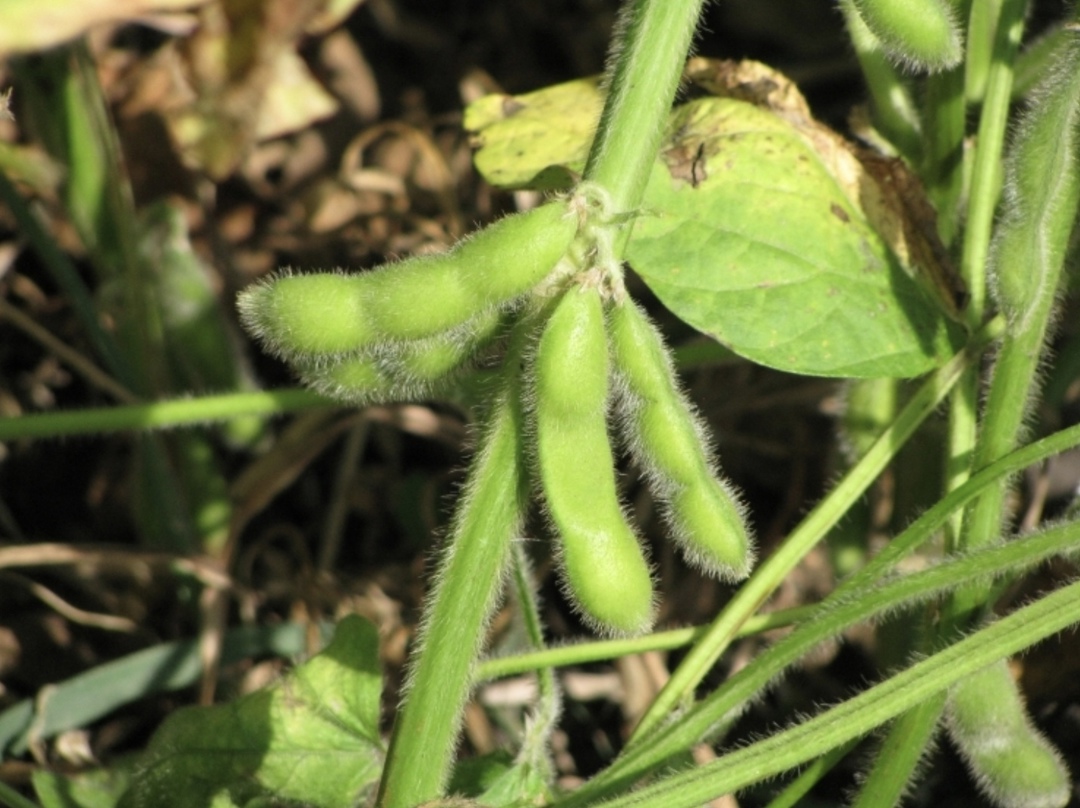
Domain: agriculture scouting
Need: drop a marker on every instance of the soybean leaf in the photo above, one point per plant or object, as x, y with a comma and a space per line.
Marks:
76, 702
98, 788
748, 238
313, 738
537, 140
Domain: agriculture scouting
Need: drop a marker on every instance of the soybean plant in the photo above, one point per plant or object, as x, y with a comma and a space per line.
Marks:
986, 717
1042, 199
559, 360
577, 374
583, 364
549, 275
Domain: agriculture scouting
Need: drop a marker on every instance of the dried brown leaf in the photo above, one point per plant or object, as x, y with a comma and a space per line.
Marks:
32, 25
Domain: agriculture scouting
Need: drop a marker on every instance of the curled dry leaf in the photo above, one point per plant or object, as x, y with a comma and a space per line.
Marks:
235, 81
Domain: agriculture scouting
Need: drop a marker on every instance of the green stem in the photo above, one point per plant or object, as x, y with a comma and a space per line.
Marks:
895, 114
1029, 257
944, 162
544, 715
986, 172
982, 22
468, 583
601, 650
652, 38
827, 513
850, 604
944, 175
871, 708
908, 739
160, 414
992, 46
791, 797
638, 761
13, 799
534, 626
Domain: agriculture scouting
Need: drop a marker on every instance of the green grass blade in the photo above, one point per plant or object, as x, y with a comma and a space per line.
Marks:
161, 414
859, 715
77, 702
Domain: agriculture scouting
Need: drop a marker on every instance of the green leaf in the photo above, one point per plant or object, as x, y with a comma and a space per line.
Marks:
537, 140
474, 775
98, 788
79, 701
748, 238
312, 738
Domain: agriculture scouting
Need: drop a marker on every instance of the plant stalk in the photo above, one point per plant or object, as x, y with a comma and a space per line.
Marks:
161, 414
986, 170
859, 715
652, 39
1029, 257
468, 583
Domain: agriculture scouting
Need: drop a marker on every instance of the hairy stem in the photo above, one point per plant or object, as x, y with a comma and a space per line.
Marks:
859, 715
1043, 197
161, 414
467, 585
651, 42
986, 171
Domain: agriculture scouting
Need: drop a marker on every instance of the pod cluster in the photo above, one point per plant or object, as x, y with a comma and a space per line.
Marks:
594, 367
595, 364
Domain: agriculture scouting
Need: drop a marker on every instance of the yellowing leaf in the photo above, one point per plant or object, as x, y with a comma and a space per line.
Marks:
747, 236
885, 191
245, 81
536, 140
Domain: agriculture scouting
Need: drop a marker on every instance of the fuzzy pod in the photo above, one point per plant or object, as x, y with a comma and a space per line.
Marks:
1040, 198
402, 371
920, 33
300, 317
669, 442
1013, 764
604, 568
1031, 245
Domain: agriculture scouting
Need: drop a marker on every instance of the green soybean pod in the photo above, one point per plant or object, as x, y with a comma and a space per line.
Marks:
668, 442
605, 572
921, 33
1013, 764
1041, 196
302, 316
402, 371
